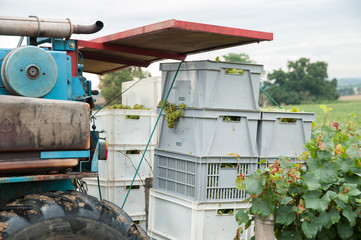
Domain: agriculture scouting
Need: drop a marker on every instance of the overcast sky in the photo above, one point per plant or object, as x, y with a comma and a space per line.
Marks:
322, 30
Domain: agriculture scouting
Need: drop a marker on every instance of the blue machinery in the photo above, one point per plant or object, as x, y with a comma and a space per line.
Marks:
46, 143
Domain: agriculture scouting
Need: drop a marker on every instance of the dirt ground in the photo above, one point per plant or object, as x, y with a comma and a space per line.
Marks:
350, 98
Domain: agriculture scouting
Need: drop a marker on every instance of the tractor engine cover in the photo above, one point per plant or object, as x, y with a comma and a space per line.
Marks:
29, 71
32, 124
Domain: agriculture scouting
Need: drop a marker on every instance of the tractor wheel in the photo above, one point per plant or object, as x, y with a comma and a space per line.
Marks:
65, 215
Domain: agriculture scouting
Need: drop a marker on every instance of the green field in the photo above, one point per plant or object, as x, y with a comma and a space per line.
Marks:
340, 111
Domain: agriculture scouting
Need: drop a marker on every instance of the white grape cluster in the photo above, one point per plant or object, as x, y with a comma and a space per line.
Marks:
172, 113
287, 120
123, 106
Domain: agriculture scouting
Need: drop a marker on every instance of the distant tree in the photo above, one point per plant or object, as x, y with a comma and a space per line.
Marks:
305, 81
237, 57
111, 83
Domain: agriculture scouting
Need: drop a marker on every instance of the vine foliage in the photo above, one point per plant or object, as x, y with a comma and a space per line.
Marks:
316, 197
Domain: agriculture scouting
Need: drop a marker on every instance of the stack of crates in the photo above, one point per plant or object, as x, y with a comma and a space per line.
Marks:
194, 175
195, 194
127, 132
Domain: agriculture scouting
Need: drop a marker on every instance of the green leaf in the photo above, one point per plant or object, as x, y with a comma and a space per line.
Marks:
344, 230
313, 200
284, 200
346, 164
262, 208
242, 216
324, 155
352, 179
329, 218
312, 181
262, 161
328, 172
309, 229
287, 235
254, 185
332, 194
343, 197
353, 191
350, 214
327, 234
285, 215
285, 163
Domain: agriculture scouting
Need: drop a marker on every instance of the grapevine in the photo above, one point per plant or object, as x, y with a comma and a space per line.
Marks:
172, 113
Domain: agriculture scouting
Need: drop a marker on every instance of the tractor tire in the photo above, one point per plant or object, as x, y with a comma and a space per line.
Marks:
66, 215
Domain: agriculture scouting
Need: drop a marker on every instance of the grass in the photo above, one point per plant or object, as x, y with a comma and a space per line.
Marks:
340, 112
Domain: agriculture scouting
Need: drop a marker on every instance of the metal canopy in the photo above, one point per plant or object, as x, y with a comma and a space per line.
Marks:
170, 39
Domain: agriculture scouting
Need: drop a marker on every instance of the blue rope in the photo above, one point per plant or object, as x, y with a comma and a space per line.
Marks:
151, 135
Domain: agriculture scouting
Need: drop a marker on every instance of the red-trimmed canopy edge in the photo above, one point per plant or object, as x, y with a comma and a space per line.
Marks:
171, 39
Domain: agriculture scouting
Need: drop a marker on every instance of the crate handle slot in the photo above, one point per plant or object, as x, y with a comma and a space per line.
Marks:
229, 211
133, 187
231, 118
132, 117
234, 71
229, 165
288, 120
132, 151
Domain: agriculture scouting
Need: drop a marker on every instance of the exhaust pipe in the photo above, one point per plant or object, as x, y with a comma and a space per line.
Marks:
38, 27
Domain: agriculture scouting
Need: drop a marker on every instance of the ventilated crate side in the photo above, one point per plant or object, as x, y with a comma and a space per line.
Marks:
210, 132
207, 84
124, 126
283, 133
123, 160
173, 217
201, 178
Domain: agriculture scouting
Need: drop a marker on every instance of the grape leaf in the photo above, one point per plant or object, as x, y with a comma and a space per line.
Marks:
346, 164
313, 200
324, 155
262, 208
329, 218
312, 181
285, 215
242, 216
254, 185
344, 230
350, 214
309, 229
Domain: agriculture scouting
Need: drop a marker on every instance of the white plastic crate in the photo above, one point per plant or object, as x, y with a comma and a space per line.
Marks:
120, 129
207, 84
116, 191
123, 160
146, 92
276, 138
207, 179
210, 132
172, 217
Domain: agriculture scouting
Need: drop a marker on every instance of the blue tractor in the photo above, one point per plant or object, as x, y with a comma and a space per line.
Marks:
47, 144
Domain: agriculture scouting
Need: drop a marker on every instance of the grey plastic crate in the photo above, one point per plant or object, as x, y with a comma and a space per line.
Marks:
206, 84
211, 132
276, 138
204, 179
